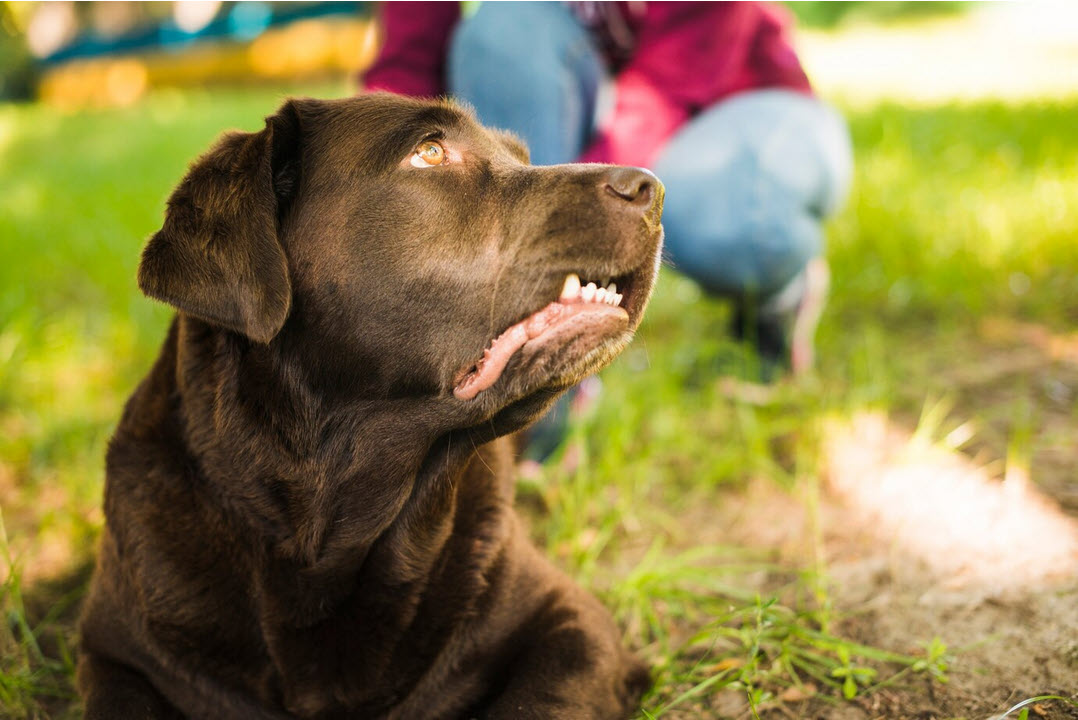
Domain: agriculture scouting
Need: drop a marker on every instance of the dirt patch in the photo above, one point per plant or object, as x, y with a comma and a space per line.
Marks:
919, 541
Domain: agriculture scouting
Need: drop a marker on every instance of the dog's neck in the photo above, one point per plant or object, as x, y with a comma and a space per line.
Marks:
326, 477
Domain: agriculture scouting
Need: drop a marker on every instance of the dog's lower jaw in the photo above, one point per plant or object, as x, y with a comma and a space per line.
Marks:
529, 386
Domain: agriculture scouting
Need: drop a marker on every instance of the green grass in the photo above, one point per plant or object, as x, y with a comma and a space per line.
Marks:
959, 213
830, 15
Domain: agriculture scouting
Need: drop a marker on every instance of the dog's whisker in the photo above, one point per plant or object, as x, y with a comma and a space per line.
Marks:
536, 285
494, 298
480, 456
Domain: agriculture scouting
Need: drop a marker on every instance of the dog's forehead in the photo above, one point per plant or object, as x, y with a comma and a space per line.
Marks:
384, 127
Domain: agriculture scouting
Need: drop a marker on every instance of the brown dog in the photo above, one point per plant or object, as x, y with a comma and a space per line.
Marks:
308, 512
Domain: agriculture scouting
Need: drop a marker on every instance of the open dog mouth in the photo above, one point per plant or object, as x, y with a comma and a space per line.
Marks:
602, 307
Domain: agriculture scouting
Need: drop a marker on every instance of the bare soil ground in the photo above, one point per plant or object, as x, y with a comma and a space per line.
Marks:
922, 540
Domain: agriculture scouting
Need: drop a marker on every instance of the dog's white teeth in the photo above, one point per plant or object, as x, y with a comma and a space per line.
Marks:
612, 297
571, 289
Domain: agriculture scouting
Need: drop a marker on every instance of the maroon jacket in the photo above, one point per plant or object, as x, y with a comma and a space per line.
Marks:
676, 59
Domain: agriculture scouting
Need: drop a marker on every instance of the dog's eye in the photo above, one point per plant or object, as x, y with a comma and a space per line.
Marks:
428, 153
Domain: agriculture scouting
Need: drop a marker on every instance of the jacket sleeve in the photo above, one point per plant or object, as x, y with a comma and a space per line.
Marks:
686, 57
415, 42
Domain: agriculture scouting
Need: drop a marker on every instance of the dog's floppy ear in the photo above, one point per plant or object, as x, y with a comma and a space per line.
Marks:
218, 256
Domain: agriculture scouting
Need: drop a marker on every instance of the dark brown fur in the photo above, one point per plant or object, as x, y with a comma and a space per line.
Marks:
302, 520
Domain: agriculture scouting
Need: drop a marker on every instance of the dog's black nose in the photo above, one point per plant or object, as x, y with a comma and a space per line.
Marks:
635, 186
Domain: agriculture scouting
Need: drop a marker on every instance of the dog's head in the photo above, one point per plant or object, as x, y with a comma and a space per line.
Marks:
399, 249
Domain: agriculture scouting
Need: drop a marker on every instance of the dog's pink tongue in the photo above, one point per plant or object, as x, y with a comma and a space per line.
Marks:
496, 357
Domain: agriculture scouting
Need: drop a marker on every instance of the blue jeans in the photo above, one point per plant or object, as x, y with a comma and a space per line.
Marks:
748, 180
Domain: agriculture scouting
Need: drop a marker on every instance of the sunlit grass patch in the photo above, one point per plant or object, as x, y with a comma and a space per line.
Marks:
961, 210
929, 62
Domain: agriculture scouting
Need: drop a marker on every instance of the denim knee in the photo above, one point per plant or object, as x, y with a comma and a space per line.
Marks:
735, 254
533, 34
747, 185
530, 68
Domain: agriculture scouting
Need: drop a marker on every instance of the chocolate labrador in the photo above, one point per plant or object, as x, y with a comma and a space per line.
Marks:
309, 497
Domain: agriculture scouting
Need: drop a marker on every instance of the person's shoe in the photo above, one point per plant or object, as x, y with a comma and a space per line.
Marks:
783, 328
807, 316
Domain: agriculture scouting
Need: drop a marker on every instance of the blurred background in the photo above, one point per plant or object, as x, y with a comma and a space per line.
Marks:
77, 55
765, 546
